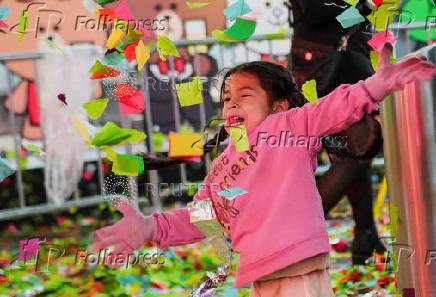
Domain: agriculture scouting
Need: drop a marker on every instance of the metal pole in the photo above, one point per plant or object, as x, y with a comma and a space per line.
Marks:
197, 71
152, 174
176, 111
409, 145
17, 141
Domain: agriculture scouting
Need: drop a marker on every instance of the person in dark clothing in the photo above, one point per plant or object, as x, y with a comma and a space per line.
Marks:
317, 35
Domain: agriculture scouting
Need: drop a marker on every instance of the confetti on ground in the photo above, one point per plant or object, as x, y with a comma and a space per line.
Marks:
183, 268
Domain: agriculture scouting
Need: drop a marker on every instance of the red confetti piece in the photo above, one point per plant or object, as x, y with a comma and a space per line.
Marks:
110, 73
98, 286
130, 51
378, 3
124, 92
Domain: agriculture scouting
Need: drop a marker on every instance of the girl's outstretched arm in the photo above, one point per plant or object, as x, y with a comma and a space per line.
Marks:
165, 228
348, 103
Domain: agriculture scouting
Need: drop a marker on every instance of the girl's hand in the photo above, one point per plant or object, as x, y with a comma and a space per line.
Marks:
393, 77
128, 234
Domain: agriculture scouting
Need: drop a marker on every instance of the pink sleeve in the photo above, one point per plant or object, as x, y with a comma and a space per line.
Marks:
334, 112
174, 226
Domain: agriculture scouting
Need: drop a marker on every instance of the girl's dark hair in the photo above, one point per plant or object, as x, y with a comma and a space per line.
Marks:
276, 80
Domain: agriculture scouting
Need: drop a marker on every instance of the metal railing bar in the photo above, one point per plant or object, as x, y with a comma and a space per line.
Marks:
17, 141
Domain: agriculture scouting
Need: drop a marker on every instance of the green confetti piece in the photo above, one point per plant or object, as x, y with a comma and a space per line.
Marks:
95, 108
51, 44
34, 148
112, 59
166, 47
242, 29
199, 4
309, 91
23, 25
111, 135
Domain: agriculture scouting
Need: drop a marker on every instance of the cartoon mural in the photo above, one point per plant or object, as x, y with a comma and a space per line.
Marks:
183, 23
55, 21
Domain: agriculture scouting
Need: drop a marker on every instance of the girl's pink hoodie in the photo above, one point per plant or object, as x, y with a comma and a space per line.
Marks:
280, 220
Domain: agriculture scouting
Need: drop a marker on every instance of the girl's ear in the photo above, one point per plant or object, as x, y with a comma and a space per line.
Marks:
280, 105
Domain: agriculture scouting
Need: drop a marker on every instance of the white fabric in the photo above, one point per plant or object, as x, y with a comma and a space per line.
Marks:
67, 73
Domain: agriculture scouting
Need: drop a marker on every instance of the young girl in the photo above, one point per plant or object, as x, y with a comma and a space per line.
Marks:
278, 227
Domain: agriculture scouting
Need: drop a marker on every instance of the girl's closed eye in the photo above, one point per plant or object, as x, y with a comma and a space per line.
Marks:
245, 95
226, 99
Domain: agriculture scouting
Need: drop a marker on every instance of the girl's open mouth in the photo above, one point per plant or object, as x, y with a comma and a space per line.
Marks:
234, 121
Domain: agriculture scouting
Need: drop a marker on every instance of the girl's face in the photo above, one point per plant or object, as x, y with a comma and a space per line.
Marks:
246, 103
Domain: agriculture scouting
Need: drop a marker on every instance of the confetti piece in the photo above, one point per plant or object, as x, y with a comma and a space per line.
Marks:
189, 93
5, 169
184, 145
309, 91
232, 193
133, 105
375, 57
380, 39
236, 9
240, 138
352, 2
350, 17
199, 4
3, 25
23, 25
166, 47
51, 44
106, 15
394, 212
127, 165
103, 2
377, 3
32, 147
383, 16
95, 108
28, 249
111, 135
112, 58
103, 71
81, 128
115, 38
242, 29
62, 98
220, 35
142, 54
130, 51
124, 92
4, 12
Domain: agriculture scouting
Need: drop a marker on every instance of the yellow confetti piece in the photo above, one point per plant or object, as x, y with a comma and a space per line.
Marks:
240, 138
309, 91
199, 4
81, 128
189, 93
166, 47
184, 145
394, 212
375, 57
115, 38
352, 2
384, 15
142, 54
95, 108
